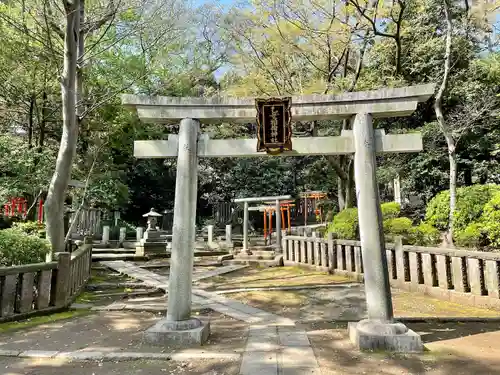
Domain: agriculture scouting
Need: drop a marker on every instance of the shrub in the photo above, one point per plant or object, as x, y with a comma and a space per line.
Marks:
17, 247
345, 224
423, 234
397, 226
471, 236
30, 227
490, 220
390, 210
469, 207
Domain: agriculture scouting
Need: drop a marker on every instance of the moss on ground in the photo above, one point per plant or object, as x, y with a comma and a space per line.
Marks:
253, 277
105, 276
406, 304
44, 319
409, 304
101, 295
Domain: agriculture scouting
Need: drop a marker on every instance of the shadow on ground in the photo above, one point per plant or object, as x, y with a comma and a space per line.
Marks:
18, 366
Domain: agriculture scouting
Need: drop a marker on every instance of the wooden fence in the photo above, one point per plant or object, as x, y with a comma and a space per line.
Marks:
43, 287
461, 276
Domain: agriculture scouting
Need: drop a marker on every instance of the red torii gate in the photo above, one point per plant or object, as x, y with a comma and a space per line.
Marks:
19, 205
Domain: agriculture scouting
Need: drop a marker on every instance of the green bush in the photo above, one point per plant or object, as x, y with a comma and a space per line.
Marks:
471, 236
423, 234
30, 227
397, 226
469, 206
17, 247
390, 210
490, 220
345, 224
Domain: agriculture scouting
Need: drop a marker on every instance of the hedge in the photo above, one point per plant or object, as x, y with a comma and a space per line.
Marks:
469, 207
345, 226
17, 247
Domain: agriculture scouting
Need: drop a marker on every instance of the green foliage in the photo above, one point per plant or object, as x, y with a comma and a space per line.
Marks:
345, 224
471, 236
390, 210
16, 248
490, 220
469, 207
423, 234
31, 228
397, 226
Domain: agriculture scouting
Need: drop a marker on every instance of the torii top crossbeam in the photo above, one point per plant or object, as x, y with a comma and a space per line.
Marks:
262, 199
388, 102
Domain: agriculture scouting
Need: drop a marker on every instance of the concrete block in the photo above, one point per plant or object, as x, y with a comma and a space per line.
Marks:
38, 353
299, 357
294, 339
262, 343
82, 356
194, 331
301, 371
9, 353
224, 257
392, 337
261, 363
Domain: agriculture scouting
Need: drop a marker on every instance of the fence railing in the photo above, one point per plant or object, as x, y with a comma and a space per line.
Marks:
43, 287
462, 276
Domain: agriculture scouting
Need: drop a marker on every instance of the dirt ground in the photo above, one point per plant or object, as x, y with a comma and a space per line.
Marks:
443, 356
119, 331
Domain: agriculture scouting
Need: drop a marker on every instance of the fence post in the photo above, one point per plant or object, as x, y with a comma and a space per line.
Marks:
63, 279
331, 252
400, 261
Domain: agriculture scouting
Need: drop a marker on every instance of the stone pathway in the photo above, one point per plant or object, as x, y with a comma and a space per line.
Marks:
274, 345
161, 282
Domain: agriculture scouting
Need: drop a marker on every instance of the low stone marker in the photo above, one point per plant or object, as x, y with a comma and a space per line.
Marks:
105, 235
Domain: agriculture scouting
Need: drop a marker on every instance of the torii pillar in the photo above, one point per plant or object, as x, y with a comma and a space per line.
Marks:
379, 331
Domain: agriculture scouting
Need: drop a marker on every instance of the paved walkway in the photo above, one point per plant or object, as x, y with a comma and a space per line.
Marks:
274, 345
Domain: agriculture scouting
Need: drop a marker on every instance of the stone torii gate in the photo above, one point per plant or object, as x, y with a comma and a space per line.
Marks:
246, 201
379, 330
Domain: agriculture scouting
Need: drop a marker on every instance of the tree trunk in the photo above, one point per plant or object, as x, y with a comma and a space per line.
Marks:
67, 149
452, 157
341, 198
350, 187
43, 122
447, 133
31, 120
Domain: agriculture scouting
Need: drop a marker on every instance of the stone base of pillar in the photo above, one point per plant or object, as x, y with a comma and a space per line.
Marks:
392, 337
183, 333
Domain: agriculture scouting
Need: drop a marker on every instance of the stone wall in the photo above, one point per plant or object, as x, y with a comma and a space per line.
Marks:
461, 276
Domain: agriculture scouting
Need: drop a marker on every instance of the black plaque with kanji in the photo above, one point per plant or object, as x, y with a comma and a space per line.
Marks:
274, 125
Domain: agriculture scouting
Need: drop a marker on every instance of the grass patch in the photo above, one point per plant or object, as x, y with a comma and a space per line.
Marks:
88, 297
272, 300
44, 319
101, 276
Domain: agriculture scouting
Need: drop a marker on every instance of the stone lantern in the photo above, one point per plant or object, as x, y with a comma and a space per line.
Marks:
152, 229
